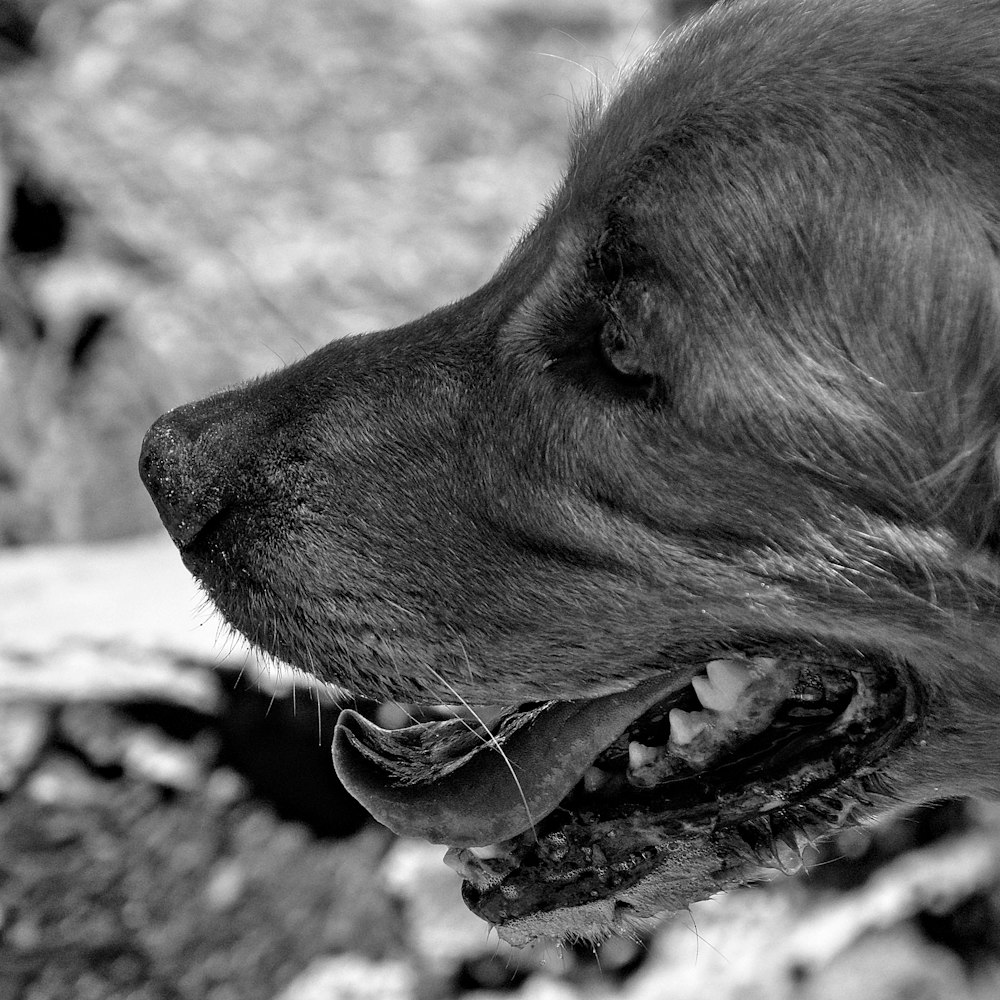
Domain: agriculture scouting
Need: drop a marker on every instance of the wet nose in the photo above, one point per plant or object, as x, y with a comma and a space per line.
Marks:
183, 473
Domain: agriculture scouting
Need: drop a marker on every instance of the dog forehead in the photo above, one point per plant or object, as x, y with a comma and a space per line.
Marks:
768, 73
704, 86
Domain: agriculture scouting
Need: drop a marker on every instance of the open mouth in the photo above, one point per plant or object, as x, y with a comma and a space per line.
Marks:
573, 819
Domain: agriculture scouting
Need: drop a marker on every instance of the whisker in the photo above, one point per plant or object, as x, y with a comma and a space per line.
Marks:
693, 928
571, 62
494, 742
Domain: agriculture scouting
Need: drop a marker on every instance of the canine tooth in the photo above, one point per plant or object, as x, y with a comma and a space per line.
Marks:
809, 694
392, 715
721, 689
639, 755
685, 726
489, 851
594, 778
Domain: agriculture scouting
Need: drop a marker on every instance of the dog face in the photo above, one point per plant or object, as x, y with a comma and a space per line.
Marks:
702, 484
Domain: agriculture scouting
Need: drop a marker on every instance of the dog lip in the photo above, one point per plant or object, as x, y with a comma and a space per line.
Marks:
451, 783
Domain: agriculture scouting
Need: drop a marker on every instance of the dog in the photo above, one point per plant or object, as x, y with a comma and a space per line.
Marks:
703, 485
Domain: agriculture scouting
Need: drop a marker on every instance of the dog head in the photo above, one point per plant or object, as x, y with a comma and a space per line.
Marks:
702, 484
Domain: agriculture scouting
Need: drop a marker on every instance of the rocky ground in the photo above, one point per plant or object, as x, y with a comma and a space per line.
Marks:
193, 191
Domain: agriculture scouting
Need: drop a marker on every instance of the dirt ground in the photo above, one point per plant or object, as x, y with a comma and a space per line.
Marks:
196, 191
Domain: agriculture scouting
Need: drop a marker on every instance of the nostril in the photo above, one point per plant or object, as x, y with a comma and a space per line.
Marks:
182, 480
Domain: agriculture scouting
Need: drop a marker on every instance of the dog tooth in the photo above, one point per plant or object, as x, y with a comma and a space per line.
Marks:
488, 851
809, 694
639, 755
709, 695
594, 778
685, 726
721, 689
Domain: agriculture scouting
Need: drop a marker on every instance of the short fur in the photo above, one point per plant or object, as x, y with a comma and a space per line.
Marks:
739, 385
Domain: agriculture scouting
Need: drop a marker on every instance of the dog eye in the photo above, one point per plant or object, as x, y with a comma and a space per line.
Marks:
596, 348
625, 356
619, 352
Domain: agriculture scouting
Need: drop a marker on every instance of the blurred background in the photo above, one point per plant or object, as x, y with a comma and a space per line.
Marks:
193, 192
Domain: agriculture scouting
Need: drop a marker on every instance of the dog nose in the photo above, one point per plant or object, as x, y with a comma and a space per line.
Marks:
181, 474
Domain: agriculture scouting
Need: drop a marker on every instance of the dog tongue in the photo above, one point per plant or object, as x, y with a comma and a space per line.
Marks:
453, 782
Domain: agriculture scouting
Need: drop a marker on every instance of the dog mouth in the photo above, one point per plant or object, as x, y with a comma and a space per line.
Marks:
574, 819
